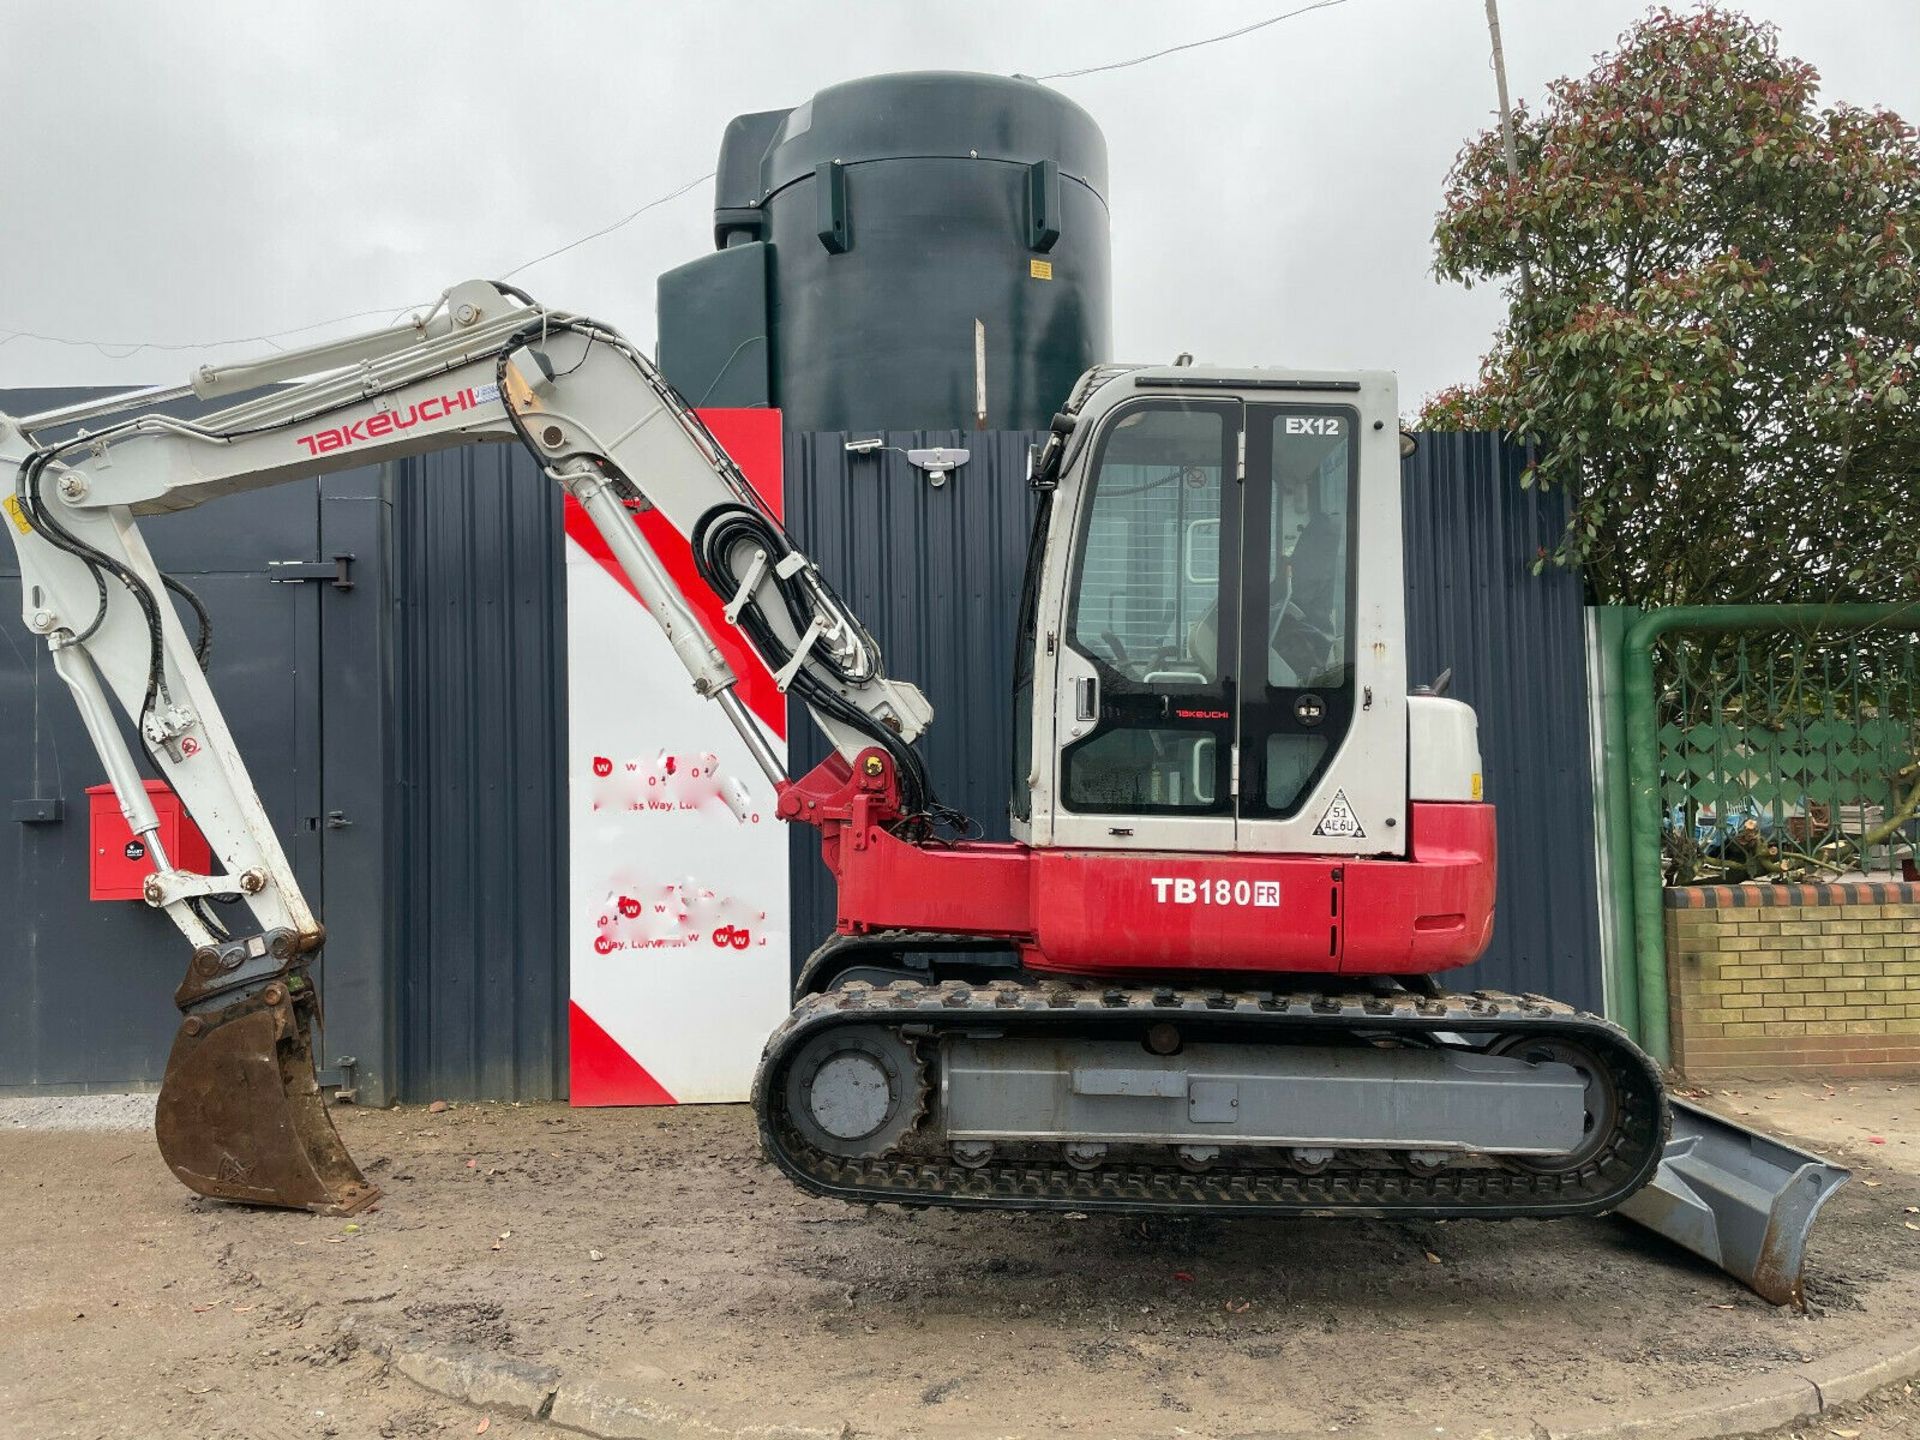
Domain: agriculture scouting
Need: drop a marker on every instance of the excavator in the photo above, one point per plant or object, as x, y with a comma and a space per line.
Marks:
1203, 977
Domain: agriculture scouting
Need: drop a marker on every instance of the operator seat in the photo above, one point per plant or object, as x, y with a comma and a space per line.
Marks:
1203, 638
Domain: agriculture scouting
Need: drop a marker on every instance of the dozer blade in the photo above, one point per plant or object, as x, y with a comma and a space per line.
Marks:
241, 1116
1738, 1199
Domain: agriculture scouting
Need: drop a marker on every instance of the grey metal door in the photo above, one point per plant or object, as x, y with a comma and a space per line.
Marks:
90, 983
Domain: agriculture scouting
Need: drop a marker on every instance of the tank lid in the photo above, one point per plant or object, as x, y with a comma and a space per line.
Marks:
952, 114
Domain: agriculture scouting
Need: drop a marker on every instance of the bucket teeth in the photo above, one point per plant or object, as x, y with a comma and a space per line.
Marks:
241, 1116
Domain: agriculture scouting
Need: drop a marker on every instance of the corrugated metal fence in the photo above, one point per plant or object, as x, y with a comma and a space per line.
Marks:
408, 739
936, 574
1516, 644
479, 910
436, 691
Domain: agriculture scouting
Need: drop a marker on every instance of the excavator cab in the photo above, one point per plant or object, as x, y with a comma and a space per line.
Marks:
1212, 664
1212, 623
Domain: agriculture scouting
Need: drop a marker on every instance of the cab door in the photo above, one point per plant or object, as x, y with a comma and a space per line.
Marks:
1322, 713
1225, 659
1145, 679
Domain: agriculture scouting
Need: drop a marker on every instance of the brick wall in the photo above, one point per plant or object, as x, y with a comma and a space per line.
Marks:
1795, 979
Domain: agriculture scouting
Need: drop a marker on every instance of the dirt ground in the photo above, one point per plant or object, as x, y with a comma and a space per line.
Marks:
135, 1309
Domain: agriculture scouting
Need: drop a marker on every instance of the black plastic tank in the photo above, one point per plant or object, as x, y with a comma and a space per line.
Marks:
873, 244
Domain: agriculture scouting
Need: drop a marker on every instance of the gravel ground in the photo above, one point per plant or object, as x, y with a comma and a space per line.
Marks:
102, 1113
141, 1310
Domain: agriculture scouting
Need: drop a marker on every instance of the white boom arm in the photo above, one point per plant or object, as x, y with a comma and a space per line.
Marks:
487, 365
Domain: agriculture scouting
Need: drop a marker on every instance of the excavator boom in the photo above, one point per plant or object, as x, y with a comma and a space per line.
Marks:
240, 1115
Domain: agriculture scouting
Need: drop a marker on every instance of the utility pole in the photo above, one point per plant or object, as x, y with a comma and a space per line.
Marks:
1506, 132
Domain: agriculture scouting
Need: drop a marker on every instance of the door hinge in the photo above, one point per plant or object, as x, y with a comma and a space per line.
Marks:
1240, 463
337, 572
342, 1079
1233, 769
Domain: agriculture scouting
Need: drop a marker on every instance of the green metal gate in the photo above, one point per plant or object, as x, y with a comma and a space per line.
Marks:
1764, 742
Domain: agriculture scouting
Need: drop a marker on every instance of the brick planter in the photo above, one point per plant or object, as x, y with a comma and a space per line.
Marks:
1795, 979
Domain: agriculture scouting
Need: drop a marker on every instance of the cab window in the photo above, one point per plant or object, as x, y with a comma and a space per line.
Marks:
1147, 611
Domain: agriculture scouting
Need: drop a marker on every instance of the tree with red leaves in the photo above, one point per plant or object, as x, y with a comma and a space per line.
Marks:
1718, 360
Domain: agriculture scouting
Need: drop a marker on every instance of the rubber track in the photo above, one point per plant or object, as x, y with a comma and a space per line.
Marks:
843, 951
1609, 1177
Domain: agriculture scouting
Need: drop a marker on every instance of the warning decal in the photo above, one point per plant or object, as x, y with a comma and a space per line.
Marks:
1340, 823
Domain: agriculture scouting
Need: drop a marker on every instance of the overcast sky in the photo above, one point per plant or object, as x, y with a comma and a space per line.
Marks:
183, 171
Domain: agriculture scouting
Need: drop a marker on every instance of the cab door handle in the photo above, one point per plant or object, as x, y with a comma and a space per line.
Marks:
1085, 698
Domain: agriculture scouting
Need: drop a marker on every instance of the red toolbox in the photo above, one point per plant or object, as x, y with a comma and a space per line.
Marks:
118, 860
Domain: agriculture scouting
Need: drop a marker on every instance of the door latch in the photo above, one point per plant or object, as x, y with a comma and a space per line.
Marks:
337, 820
337, 572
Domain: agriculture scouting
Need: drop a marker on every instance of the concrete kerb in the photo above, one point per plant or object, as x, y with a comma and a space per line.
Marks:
1761, 1403
1740, 1409
477, 1377
490, 1380
495, 1382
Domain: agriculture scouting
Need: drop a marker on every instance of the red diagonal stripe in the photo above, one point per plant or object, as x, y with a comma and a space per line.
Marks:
601, 1072
752, 438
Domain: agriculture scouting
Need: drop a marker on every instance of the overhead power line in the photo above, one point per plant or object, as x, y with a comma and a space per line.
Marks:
609, 229
1191, 44
133, 347
128, 348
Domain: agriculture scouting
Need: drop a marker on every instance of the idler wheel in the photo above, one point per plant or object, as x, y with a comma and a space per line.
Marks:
855, 1092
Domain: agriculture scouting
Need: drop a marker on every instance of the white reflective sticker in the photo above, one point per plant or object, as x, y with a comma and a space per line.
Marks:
1340, 823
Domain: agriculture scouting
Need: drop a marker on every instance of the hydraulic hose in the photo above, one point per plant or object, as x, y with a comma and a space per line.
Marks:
716, 536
